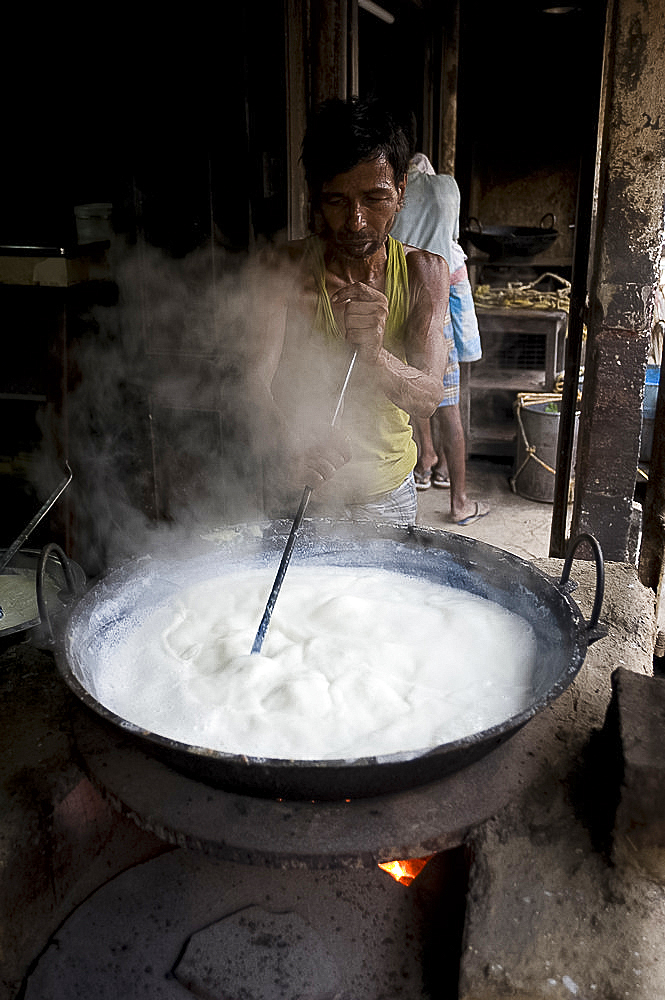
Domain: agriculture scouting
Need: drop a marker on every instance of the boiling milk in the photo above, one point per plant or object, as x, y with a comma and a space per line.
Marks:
356, 662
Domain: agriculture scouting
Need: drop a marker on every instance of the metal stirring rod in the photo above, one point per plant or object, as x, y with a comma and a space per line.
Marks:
297, 521
43, 510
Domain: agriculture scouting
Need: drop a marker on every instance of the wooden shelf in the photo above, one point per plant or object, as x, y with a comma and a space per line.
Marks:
494, 432
22, 397
497, 440
523, 350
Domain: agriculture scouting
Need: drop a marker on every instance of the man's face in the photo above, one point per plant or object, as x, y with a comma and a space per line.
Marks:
359, 208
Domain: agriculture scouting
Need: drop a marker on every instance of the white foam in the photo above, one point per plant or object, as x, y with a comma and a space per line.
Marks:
356, 662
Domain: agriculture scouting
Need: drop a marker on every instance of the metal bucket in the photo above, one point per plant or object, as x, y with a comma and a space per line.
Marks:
538, 417
651, 383
48, 581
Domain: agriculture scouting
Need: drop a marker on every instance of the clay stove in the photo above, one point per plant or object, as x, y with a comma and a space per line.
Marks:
263, 899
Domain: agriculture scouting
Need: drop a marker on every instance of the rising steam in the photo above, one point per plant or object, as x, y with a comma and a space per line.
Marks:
169, 421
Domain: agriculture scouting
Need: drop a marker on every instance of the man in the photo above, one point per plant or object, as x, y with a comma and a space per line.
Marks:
351, 287
431, 220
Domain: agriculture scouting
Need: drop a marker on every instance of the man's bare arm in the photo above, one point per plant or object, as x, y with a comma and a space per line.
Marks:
310, 454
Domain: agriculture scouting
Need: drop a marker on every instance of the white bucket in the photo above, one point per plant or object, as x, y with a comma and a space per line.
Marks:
93, 222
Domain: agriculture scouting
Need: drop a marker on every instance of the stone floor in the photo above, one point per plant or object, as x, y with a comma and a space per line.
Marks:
563, 901
514, 523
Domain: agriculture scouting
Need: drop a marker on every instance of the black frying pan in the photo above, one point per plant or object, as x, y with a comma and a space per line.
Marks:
511, 241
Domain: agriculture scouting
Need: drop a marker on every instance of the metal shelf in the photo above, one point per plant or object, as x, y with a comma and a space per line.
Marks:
474, 261
510, 379
523, 349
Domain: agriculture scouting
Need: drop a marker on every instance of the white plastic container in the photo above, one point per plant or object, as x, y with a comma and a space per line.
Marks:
93, 222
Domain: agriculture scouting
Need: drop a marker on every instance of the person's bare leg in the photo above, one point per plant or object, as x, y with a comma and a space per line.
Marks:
427, 457
440, 470
454, 446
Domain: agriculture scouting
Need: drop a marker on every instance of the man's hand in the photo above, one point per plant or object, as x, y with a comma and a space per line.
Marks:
328, 453
365, 315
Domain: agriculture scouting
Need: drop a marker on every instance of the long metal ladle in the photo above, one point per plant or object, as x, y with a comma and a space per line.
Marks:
42, 512
297, 521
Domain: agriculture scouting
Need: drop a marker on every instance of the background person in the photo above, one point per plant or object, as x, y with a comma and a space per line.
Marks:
430, 219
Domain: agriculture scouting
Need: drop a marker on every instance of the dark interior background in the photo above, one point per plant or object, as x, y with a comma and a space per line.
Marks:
181, 125
178, 123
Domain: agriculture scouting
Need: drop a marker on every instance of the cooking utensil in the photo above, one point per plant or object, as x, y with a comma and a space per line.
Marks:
38, 580
295, 527
511, 241
126, 599
41, 513
74, 581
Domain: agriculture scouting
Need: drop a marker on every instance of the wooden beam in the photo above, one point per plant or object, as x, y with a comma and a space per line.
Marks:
609, 441
584, 223
297, 102
448, 89
321, 62
329, 41
626, 253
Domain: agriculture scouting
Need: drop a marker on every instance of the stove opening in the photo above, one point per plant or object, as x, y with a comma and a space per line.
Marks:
438, 887
405, 871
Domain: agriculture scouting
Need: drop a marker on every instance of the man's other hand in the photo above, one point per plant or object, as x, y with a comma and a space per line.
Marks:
330, 451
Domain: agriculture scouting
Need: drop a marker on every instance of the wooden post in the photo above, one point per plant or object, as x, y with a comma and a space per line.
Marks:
609, 440
330, 50
321, 62
448, 89
297, 101
626, 253
584, 220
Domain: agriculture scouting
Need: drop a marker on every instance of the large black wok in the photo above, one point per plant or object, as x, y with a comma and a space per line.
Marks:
511, 241
128, 596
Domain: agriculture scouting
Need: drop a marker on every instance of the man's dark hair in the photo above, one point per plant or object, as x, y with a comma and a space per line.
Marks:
342, 134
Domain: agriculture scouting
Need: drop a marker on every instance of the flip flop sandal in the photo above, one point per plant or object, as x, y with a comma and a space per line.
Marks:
422, 482
441, 482
482, 510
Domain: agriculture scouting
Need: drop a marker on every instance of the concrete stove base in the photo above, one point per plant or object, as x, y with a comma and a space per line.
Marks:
549, 915
184, 926
545, 916
409, 824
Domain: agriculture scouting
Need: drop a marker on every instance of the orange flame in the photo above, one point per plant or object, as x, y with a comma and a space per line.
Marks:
405, 871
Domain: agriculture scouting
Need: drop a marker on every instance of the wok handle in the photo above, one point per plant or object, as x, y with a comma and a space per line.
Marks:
548, 215
600, 574
52, 550
469, 224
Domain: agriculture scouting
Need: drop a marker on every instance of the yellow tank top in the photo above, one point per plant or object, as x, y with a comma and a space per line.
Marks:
384, 452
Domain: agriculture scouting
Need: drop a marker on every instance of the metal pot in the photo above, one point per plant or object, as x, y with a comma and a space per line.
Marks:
511, 241
36, 587
129, 595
